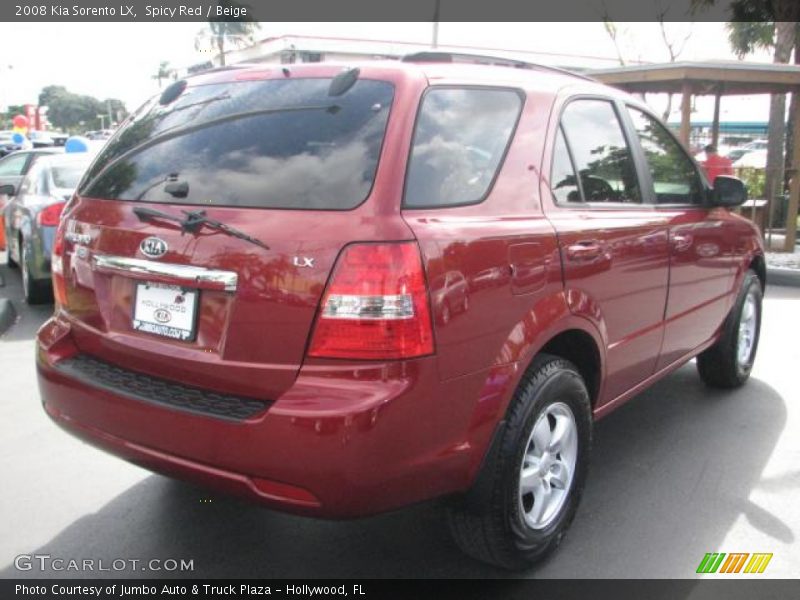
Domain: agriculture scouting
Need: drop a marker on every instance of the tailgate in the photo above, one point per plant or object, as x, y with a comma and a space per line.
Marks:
283, 161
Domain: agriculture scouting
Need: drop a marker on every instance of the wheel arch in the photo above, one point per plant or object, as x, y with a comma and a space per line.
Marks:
581, 349
759, 265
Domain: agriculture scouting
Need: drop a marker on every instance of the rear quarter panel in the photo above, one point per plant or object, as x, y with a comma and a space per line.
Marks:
504, 248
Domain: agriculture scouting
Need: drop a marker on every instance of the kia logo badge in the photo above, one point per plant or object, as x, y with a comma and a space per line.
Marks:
153, 247
162, 315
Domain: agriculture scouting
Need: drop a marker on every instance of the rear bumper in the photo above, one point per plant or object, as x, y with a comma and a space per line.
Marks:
343, 441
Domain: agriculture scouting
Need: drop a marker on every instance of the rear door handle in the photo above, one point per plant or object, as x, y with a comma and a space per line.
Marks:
580, 251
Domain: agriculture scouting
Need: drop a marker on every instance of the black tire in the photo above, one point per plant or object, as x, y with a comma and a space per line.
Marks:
34, 290
9, 261
488, 522
720, 366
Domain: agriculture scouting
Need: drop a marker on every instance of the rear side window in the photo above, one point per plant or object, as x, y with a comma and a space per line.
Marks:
601, 154
269, 144
66, 177
460, 139
13, 165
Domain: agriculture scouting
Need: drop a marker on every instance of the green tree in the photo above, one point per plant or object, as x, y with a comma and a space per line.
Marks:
16, 109
11, 111
72, 112
222, 30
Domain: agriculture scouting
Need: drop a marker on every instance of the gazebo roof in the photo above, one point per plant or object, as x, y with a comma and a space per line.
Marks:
704, 78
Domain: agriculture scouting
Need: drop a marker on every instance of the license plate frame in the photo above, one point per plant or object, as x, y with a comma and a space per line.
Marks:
186, 331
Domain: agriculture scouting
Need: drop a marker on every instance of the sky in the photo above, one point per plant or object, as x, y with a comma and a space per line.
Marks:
118, 59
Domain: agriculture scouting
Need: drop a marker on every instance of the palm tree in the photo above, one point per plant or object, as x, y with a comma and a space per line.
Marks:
164, 72
780, 36
768, 25
240, 32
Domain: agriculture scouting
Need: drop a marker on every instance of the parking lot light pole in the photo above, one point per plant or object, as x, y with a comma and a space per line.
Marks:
435, 40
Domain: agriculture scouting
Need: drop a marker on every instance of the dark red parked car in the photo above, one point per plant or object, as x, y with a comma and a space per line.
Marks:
244, 287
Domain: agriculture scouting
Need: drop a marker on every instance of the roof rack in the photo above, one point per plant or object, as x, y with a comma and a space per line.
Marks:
485, 59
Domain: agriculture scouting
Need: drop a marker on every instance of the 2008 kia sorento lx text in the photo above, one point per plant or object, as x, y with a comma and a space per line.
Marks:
339, 290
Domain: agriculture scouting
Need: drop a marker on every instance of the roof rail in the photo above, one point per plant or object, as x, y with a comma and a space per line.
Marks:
219, 69
485, 59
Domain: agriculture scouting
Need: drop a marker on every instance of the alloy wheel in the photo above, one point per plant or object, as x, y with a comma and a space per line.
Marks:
548, 465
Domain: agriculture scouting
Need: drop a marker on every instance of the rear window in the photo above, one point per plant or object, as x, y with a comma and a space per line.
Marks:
460, 140
270, 144
67, 176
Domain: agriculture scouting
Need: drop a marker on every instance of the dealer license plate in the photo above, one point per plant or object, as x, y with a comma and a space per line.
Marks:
166, 310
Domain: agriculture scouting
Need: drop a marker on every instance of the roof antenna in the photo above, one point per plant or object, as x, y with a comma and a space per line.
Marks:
343, 82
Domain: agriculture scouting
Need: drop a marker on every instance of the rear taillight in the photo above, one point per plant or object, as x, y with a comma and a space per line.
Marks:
57, 268
50, 216
376, 305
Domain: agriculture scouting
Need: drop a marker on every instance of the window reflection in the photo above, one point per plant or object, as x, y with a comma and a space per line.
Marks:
675, 178
323, 155
460, 138
601, 154
564, 181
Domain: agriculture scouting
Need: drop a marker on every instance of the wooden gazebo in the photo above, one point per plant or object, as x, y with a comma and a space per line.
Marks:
717, 79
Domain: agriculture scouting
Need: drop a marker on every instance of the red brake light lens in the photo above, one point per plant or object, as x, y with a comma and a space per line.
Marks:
50, 216
57, 268
376, 305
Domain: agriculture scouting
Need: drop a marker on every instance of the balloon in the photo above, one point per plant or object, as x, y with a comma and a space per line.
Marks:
20, 121
21, 130
18, 138
77, 143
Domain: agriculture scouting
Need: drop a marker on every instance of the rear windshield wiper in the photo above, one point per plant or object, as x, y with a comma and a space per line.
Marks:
194, 220
197, 218
148, 214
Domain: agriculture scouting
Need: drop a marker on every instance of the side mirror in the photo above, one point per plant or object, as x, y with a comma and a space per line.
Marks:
728, 191
8, 189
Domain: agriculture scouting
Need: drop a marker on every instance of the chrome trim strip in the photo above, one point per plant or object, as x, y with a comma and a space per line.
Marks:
186, 274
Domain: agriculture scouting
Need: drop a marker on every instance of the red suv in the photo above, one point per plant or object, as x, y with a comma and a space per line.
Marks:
339, 291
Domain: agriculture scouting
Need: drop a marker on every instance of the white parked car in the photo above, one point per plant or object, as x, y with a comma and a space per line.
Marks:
754, 159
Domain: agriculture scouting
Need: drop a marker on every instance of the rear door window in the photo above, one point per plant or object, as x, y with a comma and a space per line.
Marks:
269, 144
460, 140
564, 183
675, 178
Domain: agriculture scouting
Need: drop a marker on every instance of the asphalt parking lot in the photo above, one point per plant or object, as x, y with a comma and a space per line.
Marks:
678, 472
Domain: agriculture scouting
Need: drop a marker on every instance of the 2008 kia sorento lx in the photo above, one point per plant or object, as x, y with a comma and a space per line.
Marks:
340, 290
